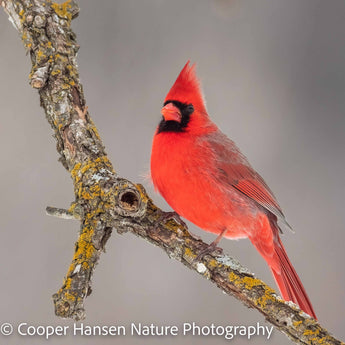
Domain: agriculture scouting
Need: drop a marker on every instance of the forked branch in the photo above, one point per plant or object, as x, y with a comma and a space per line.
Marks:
104, 200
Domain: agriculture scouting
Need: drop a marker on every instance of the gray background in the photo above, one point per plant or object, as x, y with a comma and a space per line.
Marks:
273, 75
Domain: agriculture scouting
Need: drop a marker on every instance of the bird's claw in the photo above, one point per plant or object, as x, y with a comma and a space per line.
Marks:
211, 248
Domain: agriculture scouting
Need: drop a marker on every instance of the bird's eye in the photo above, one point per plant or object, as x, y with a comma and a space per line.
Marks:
190, 109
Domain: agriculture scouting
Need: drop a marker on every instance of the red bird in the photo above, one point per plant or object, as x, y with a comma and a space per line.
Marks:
206, 179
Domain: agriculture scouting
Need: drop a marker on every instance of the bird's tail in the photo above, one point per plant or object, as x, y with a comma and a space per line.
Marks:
289, 284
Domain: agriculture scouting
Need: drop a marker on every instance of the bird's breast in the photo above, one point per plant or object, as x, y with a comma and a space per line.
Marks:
184, 173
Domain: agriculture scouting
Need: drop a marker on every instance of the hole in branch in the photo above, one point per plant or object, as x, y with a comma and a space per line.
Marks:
129, 201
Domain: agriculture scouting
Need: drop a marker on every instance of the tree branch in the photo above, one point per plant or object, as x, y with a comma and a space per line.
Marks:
104, 200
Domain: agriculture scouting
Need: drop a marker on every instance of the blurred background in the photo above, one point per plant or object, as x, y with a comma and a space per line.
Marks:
274, 78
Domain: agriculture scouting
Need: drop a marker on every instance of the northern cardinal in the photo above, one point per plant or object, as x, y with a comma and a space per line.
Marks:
206, 179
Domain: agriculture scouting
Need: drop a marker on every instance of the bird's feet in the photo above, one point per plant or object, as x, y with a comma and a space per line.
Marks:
211, 248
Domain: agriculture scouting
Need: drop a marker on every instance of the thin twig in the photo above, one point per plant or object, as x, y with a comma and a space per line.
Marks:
61, 213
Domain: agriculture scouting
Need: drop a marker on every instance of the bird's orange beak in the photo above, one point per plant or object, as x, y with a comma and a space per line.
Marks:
171, 113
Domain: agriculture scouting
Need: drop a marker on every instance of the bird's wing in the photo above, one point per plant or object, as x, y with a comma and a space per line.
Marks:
233, 168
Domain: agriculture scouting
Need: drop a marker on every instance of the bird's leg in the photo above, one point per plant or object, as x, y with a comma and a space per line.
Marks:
211, 247
165, 216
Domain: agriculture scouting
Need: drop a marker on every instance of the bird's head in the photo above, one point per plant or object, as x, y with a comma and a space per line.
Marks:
184, 104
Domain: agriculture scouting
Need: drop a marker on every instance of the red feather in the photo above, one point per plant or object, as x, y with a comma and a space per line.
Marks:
187, 88
206, 179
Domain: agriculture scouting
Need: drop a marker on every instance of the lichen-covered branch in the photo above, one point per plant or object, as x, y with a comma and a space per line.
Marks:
103, 200
45, 29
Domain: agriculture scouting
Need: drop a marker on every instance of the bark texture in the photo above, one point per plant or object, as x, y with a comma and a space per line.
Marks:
104, 200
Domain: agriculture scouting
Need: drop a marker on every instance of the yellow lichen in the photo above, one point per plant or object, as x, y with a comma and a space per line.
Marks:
213, 263
85, 247
85, 195
26, 39
85, 250
142, 193
95, 189
56, 72
62, 10
189, 253
233, 277
250, 282
72, 207
22, 16
267, 297
40, 56
72, 71
70, 297
309, 332
93, 128
75, 170
297, 323
68, 283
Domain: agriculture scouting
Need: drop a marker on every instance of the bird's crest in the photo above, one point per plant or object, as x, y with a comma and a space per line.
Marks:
187, 88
